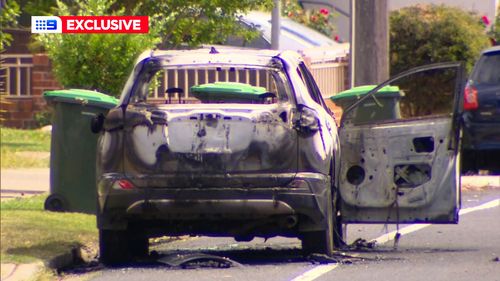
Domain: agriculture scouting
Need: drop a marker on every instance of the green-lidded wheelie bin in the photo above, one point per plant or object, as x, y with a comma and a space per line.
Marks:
73, 148
230, 92
384, 105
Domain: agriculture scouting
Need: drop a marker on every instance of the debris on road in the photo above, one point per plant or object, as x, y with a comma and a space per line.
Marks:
197, 260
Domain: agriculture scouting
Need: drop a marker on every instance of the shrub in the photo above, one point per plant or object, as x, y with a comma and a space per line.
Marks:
43, 118
95, 61
421, 35
495, 29
8, 18
426, 34
320, 20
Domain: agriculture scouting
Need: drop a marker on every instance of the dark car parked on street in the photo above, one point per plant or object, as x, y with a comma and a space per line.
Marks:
240, 143
481, 147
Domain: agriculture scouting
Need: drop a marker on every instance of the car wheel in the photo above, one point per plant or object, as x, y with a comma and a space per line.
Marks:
320, 242
118, 247
338, 238
55, 203
139, 245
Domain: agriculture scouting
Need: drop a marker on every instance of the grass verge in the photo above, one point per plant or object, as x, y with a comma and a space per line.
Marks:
24, 148
29, 233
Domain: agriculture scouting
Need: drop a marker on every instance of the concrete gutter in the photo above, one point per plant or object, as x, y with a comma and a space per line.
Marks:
26, 272
480, 182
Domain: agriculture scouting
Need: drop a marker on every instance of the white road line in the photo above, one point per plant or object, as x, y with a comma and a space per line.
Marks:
489, 205
315, 272
415, 227
324, 268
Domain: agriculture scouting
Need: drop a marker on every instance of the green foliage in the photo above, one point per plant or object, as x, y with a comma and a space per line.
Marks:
35, 8
421, 35
103, 61
8, 18
43, 118
320, 20
95, 61
428, 34
195, 22
495, 30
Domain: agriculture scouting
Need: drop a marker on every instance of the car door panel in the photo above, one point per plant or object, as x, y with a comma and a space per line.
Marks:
381, 168
401, 170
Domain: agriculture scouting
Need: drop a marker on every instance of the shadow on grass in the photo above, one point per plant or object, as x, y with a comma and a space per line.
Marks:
20, 146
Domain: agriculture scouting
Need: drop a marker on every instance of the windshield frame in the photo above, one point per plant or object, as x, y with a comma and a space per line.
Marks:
145, 70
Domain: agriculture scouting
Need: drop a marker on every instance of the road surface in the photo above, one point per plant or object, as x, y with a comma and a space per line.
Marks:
467, 251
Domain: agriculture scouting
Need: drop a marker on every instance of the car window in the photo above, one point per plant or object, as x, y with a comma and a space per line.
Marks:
312, 88
211, 84
487, 69
311, 85
425, 94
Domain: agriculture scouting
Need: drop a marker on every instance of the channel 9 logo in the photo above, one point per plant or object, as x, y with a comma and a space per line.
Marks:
50, 24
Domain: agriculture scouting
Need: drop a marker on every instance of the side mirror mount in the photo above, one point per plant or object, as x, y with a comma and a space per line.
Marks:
307, 122
97, 123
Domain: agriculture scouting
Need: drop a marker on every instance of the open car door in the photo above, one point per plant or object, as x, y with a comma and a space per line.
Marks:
399, 149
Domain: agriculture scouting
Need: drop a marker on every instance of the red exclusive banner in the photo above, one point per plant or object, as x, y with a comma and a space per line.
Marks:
105, 24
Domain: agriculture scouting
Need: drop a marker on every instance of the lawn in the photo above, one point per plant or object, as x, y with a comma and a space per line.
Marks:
30, 233
24, 148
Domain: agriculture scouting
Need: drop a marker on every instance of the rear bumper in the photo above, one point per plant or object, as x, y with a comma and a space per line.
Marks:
278, 210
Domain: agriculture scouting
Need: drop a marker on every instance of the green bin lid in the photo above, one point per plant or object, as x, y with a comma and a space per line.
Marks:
221, 90
358, 92
82, 97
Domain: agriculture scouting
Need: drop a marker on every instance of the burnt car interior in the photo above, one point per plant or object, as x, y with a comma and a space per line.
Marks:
398, 157
211, 84
422, 95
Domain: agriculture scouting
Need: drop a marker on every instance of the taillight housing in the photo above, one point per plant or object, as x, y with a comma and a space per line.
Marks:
123, 184
308, 122
470, 98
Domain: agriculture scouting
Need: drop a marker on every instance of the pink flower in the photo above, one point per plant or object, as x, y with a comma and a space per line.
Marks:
314, 18
485, 20
324, 11
336, 38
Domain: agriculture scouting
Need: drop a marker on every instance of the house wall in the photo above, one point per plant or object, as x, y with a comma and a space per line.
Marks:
18, 111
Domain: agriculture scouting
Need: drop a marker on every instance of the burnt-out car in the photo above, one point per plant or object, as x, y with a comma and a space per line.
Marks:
240, 143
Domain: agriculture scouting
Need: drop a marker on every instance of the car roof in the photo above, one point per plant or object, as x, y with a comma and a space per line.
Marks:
223, 55
492, 49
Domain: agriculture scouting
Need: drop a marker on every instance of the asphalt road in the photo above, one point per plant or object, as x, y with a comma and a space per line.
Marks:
467, 251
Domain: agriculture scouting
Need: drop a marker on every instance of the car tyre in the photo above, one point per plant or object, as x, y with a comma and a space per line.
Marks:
138, 245
320, 242
338, 237
55, 203
118, 247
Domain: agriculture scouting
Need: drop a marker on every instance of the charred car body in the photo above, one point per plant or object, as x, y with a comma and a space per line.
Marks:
242, 145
